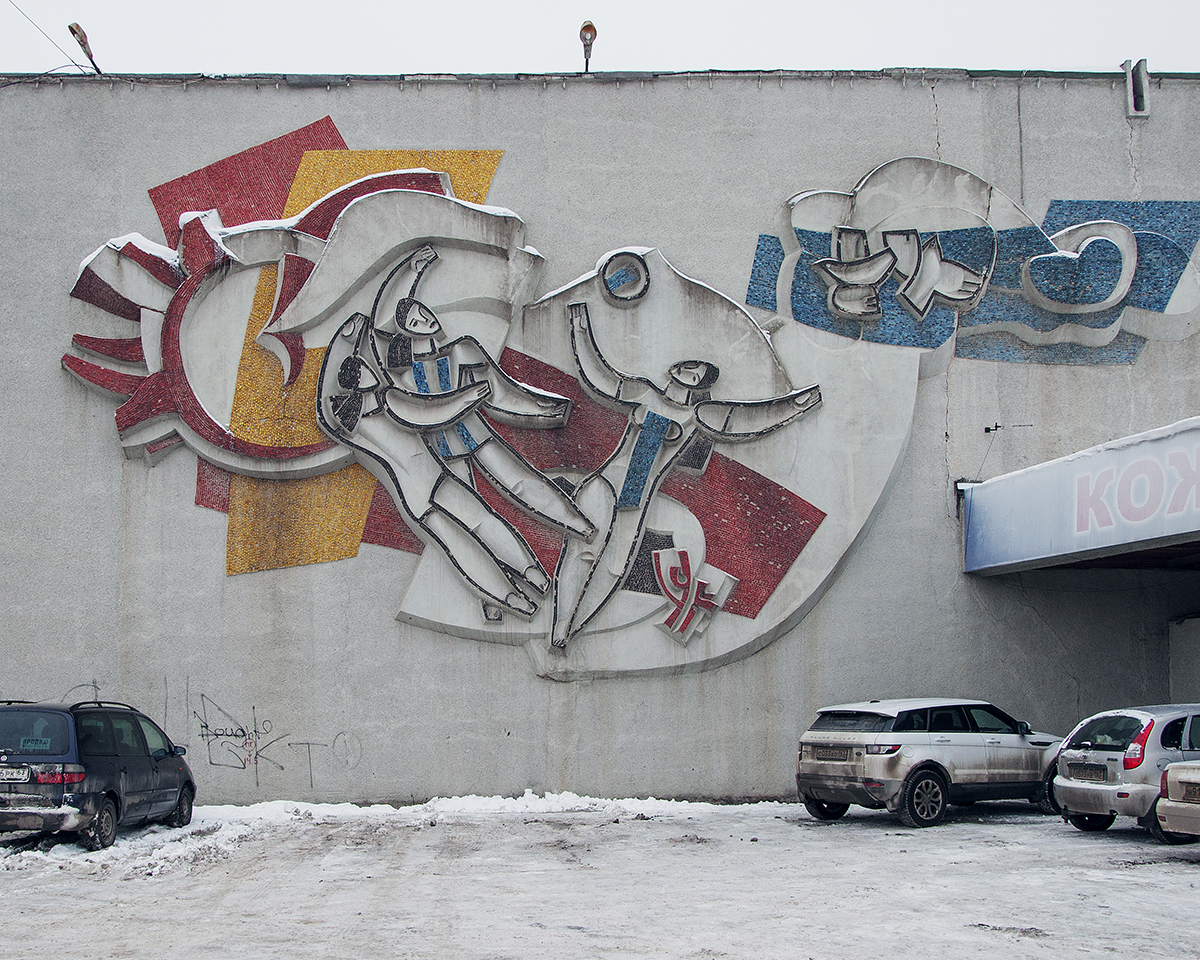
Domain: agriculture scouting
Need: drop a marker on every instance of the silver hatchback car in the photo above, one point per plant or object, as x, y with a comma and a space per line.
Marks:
915, 757
1112, 763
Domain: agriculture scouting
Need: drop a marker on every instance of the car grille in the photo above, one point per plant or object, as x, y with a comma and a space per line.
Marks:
1096, 772
834, 754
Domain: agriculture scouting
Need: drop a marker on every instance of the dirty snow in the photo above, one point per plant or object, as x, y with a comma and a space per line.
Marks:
564, 876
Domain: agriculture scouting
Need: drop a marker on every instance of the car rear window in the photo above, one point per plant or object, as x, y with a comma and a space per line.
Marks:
34, 733
852, 721
1107, 733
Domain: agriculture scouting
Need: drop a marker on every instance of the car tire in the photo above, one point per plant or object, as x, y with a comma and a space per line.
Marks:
1045, 798
102, 831
823, 810
1165, 836
181, 815
923, 802
1091, 822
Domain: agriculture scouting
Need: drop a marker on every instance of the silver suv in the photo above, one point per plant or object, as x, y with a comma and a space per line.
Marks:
1112, 763
916, 756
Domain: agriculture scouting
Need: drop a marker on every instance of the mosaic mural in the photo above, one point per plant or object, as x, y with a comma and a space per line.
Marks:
922, 253
350, 349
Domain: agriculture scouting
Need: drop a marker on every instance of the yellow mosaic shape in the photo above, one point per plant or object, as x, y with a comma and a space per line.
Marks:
321, 171
286, 523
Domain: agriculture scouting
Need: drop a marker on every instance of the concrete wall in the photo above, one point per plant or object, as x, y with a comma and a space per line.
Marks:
115, 583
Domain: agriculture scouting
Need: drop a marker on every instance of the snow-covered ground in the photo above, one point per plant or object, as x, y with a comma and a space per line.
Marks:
563, 876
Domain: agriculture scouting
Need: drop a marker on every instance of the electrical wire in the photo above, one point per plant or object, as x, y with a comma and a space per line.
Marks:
48, 37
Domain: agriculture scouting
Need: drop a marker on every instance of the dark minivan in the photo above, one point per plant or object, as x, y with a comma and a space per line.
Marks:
88, 768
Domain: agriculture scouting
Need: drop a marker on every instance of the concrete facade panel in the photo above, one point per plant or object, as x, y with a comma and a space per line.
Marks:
301, 683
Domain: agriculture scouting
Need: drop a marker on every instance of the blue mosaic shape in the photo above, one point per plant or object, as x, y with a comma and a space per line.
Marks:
900, 327
418, 370
1013, 248
809, 293
621, 278
973, 248
1161, 263
1177, 219
1000, 306
810, 297
649, 441
1090, 277
764, 275
1003, 347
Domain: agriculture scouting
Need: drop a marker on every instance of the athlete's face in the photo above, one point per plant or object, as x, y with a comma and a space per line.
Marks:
692, 373
420, 321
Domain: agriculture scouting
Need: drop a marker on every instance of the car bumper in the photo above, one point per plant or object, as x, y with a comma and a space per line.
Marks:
1122, 799
75, 812
1178, 817
864, 792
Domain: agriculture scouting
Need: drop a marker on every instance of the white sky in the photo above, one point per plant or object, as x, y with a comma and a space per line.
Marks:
541, 36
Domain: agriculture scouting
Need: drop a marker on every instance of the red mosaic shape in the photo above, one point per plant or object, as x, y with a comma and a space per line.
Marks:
545, 542
592, 432
753, 528
251, 185
111, 381
198, 252
151, 400
165, 272
318, 222
386, 528
90, 288
212, 486
126, 349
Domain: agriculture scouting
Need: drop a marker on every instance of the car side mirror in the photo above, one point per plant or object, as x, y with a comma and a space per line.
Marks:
179, 751
1023, 728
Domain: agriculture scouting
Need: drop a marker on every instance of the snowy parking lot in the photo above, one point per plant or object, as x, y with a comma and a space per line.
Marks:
563, 877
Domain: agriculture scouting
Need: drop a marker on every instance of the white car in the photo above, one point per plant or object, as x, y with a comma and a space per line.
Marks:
1179, 800
1111, 765
915, 757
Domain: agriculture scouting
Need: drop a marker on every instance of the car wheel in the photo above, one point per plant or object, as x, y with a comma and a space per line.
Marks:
1045, 799
181, 816
1091, 822
924, 801
1165, 836
822, 810
102, 831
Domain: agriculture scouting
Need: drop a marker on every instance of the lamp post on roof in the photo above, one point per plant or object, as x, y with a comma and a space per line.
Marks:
587, 33
82, 40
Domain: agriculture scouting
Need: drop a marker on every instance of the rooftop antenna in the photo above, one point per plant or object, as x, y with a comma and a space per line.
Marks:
587, 33
81, 39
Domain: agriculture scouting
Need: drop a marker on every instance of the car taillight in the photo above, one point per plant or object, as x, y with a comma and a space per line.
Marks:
1162, 785
1135, 753
59, 773
883, 748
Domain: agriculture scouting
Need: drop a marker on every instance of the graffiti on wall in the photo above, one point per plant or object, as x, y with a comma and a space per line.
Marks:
922, 253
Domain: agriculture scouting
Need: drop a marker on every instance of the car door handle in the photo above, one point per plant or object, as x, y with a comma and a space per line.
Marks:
992, 743
941, 740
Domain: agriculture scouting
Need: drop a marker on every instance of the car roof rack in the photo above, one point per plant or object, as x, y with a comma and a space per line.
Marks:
15, 701
102, 703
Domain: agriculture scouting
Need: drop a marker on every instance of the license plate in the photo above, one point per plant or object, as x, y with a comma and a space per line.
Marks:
837, 754
1191, 792
14, 774
1096, 772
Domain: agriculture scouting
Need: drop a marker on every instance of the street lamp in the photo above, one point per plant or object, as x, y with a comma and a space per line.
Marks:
587, 33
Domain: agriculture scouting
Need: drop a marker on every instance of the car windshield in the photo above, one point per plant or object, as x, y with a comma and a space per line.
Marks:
852, 721
33, 733
1106, 733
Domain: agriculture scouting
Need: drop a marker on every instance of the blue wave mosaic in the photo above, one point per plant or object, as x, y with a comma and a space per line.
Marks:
1166, 233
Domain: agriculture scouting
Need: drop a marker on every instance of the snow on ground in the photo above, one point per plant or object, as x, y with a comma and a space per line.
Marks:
564, 876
